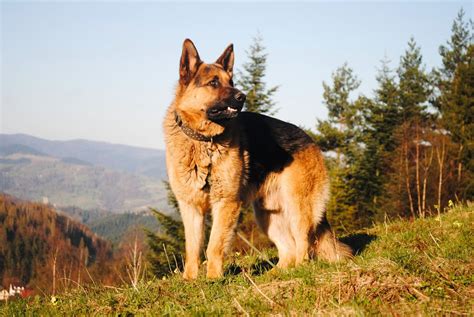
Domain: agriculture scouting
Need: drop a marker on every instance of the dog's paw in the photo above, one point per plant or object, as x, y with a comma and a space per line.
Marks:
214, 274
214, 271
190, 274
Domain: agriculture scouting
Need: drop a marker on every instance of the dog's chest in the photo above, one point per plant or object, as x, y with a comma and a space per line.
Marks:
198, 164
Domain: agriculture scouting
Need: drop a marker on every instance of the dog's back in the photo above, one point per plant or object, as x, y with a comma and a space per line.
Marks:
271, 143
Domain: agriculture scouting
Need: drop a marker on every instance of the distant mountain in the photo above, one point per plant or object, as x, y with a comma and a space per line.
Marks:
8, 149
144, 161
69, 182
34, 240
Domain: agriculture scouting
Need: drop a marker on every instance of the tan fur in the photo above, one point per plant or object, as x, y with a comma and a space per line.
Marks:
213, 177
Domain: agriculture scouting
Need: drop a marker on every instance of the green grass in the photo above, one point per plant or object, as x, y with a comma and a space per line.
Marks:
425, 267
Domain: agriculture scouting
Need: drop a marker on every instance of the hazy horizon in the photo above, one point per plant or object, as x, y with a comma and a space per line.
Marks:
76, 139
106, 71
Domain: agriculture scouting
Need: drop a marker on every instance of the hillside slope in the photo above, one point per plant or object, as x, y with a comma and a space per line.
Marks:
111, 226
423, 267
115, 227
34, 239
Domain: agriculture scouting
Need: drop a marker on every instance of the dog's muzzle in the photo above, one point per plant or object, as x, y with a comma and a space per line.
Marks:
228, 108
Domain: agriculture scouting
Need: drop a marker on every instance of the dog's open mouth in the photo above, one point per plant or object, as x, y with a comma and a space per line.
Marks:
223, 112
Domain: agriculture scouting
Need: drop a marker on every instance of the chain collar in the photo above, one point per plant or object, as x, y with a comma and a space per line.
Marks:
190, 132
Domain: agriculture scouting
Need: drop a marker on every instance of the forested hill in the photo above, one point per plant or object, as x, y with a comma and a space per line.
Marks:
42, 249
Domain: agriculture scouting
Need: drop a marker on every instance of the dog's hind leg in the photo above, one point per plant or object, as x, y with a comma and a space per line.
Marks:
304, 192
224, 221
275, 226
299, 223
296, 201
193, 220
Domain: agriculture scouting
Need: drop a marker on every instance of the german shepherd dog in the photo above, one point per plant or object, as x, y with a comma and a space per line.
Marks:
219, 159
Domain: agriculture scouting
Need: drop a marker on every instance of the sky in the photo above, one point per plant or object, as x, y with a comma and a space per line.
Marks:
106, 71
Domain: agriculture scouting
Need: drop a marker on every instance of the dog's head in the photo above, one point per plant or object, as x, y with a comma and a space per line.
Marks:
206, 99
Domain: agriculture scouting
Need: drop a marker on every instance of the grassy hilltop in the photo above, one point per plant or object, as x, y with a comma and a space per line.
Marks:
423, 267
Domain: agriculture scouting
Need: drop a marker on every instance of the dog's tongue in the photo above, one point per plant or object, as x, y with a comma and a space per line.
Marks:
231, 109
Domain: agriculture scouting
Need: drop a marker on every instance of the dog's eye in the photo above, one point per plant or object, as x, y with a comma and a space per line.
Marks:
214, 83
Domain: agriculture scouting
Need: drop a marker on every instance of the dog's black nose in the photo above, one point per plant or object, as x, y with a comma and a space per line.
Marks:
240, 97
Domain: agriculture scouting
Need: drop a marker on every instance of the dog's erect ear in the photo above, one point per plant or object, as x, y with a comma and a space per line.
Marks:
189, 63
226, 60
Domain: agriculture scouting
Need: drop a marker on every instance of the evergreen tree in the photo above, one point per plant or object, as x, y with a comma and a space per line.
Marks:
337, 97
414, 84
344, 114
165, 254
458, 119
454, 101
384, 114
251, 80
381, 119
415, 89
454, 52
341, 134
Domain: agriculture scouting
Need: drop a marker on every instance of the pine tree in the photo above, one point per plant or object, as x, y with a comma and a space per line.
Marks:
454, 52
384, 115
251, 80
341, 134
414, 84
454, 101
166, 247
458, 119
337, 97
344, 114
381, 119
415, 89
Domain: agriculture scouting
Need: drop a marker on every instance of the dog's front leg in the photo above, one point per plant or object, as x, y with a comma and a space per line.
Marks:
225, 215
193, 220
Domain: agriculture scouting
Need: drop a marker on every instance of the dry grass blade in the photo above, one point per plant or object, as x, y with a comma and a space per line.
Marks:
433, 238
259, 290
413, 290
240, 308
451, 312
203, 295
240, 235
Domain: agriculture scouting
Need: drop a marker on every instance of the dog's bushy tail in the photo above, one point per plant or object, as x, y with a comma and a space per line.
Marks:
327, 246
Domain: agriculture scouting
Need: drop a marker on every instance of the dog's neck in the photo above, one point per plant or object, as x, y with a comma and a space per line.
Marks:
190, 132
